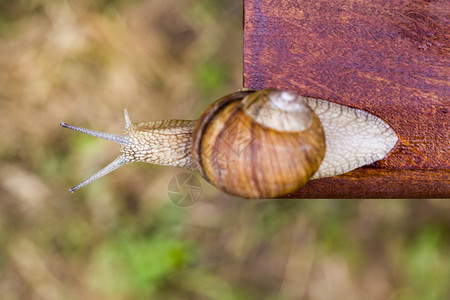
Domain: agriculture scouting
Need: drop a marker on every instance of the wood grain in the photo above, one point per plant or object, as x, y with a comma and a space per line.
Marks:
391, 58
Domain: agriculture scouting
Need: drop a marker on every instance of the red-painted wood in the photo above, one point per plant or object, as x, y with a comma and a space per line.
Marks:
391, 58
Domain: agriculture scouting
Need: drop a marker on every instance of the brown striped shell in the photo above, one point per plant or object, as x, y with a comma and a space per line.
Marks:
258, 144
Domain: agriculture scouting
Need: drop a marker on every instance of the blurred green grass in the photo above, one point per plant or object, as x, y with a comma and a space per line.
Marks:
120, 237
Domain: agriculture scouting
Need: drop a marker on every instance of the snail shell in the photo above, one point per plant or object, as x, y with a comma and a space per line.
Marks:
257, 144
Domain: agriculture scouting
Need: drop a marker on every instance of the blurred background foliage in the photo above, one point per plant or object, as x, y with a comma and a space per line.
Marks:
121, 238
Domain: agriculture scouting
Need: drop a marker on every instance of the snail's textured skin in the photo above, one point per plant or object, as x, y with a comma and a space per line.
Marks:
166, 143
354, 137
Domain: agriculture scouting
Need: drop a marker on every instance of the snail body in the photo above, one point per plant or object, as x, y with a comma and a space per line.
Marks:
257, 144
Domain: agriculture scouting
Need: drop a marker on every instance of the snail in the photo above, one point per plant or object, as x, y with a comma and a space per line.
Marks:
257, 143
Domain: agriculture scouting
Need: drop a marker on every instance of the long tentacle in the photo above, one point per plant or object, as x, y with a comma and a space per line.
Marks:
119, 161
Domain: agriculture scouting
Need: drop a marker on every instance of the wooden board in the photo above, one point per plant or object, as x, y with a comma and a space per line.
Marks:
391, 58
